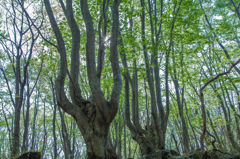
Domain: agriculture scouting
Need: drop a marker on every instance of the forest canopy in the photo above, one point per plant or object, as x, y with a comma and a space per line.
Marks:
119, 79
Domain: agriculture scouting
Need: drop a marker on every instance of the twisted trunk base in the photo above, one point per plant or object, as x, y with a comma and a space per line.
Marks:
98, 148
95, 130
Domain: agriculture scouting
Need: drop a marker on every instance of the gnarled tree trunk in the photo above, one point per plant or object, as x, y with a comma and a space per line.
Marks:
92, 117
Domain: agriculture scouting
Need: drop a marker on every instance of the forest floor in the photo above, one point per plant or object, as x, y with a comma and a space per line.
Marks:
171, 154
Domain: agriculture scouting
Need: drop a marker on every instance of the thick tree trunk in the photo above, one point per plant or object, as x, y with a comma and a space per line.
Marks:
98, 148
162, 138
96, 138
93, 118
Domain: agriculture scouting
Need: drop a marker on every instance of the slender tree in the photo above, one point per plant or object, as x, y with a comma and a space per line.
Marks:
18, 43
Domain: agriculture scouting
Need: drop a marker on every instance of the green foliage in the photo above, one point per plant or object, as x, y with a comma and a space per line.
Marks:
195, 57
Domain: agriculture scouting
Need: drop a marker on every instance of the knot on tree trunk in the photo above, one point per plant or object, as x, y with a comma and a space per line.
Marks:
89, 109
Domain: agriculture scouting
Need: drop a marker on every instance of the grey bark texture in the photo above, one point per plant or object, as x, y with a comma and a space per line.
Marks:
92, 117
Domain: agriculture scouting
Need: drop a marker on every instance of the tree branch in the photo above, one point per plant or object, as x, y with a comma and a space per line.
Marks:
94, 83
221, 74
117, 85
202, 101
9, 89
63, 101
37, 28
215, 36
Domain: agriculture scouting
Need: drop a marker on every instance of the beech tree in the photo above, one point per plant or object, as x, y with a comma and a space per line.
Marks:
93, 117
18, 44
180, 64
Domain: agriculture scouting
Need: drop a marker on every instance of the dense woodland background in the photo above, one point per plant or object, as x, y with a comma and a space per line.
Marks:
140, 75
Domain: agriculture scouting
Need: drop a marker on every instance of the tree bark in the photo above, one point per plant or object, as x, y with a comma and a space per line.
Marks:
138, 134
45, 131
92, 117
26, 121
229, 132
185, 134
54, 121
33, 142
66, 140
